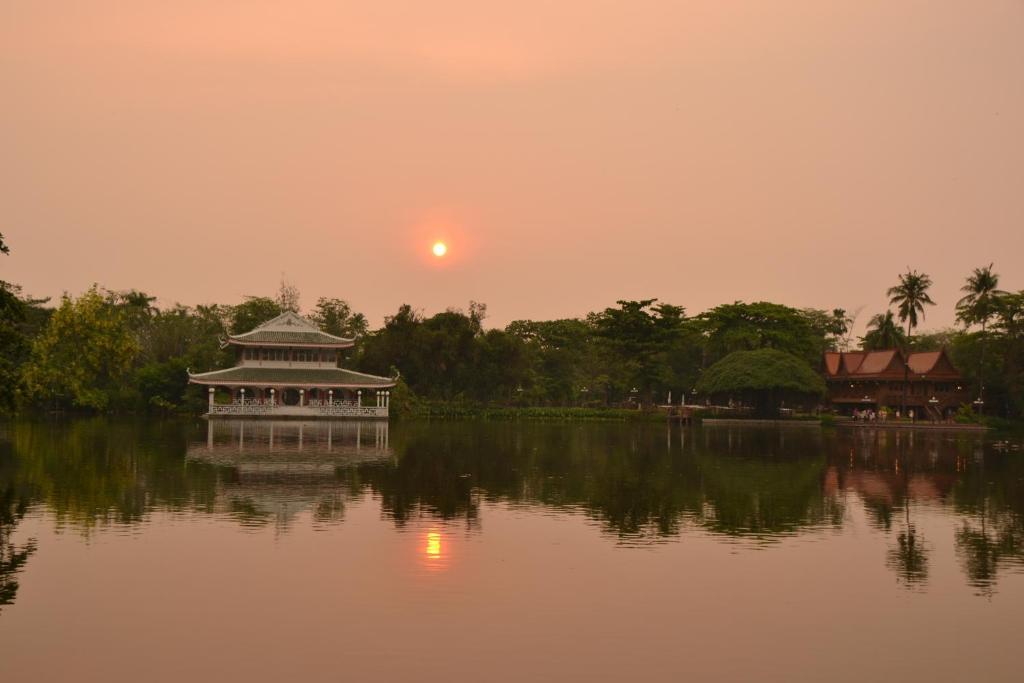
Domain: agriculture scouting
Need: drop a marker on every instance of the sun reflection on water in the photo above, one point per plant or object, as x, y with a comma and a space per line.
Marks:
433, 545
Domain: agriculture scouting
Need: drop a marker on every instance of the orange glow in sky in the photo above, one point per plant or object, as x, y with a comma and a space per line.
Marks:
734, 144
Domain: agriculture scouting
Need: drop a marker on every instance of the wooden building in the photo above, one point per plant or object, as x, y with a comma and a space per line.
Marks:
859, 380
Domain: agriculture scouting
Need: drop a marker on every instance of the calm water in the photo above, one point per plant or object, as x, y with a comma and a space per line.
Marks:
502, 551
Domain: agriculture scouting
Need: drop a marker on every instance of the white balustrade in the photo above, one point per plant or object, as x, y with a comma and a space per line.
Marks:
313, 408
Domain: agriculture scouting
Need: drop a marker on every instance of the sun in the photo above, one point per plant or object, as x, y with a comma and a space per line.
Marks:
440, 249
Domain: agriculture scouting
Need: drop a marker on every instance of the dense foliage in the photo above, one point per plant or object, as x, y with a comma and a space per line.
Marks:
765, 379
116, 351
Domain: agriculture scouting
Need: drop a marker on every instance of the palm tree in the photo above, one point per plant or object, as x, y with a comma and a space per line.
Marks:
978, 306
910, 297
883, 333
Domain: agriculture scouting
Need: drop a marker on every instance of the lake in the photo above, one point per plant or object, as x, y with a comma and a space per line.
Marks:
506, 551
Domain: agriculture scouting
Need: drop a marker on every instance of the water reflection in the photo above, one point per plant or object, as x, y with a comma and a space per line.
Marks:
272, 471
642, 485
14, 501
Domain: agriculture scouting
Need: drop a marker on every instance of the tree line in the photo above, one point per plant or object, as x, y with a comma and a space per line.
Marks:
117, 351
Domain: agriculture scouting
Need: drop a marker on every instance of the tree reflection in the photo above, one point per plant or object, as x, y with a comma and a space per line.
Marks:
641, 483
14, 502
909, 558
985, 547
627, 478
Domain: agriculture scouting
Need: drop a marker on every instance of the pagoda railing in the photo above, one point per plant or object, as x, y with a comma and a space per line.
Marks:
249, 406
313, 408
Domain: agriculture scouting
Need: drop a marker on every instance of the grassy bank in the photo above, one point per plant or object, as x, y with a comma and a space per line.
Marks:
463, 411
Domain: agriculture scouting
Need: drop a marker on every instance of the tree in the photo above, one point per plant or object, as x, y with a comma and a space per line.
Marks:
910, 297
764, 378
84, 356
978, 306
174, 341
832, 326
642, 337
254, 311
883, 333
288, 296
762, 325
1009, 324
4, 249
565, 362
13, 344
335, 316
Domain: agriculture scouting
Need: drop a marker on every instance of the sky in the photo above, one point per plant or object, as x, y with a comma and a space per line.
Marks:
570, 153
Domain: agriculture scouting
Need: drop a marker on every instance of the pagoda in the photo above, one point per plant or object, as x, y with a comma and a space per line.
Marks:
288, 367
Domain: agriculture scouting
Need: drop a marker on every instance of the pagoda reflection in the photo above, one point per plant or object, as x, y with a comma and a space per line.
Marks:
275, 470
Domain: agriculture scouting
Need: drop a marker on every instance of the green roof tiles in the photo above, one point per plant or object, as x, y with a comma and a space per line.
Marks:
289, 328
295, 377
297, 337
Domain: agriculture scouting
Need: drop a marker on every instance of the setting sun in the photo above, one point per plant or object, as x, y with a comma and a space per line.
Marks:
440, 249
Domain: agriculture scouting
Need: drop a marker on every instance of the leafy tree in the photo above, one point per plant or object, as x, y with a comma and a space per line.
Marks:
643, 337
4, 249
174, 341
447, 356
883, 333
13, 344
254, 311
335, 316
910, 297
1009, 325
978, 305
764, 378
565, 362
85, 355
832, 326
762, 325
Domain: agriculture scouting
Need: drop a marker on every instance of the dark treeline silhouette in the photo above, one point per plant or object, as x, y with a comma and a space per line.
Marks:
106, 351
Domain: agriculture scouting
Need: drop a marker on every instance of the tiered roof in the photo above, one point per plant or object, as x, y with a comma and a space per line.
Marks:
246, 375
289, 329
889, 364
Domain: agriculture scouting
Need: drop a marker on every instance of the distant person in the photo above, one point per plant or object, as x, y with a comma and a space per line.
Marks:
910, 413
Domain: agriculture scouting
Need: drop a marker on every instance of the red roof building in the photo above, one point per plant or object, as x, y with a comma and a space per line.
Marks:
875, 379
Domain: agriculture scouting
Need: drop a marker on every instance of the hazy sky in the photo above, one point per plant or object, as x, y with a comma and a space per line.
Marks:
571, 152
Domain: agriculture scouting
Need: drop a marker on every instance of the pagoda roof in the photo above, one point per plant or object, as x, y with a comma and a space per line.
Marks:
289, 329
244, 375
889, 364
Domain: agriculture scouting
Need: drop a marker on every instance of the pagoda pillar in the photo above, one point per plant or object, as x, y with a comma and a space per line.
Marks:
302, 397
210, 392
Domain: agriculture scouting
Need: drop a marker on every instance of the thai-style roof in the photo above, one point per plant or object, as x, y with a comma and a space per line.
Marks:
289, 329
247, 375
889, 364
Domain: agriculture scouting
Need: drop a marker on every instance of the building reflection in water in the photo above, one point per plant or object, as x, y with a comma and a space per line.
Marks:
280, 469
639, 485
